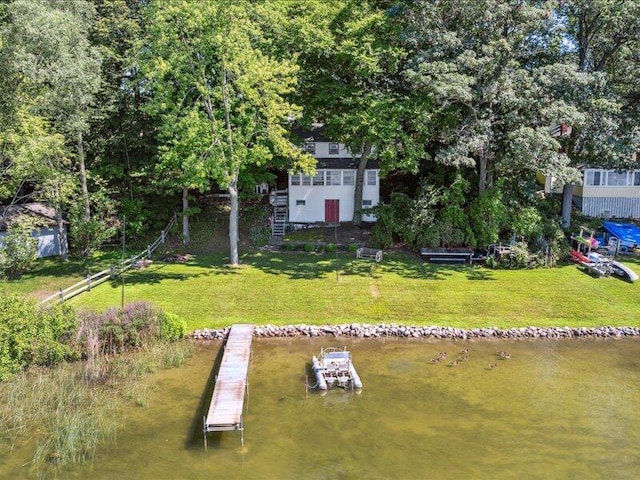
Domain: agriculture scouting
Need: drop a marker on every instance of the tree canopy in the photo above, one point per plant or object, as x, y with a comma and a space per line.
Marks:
110, 105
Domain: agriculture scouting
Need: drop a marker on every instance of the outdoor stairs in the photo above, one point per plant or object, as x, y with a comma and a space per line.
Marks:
280, 214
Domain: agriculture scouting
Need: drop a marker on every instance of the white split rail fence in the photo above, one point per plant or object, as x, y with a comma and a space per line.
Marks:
108, 274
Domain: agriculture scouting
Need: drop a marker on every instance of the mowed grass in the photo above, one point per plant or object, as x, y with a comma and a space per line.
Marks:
293, 288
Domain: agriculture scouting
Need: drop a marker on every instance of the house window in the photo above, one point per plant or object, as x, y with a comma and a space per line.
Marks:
300, 203
310, 148
334, 177
636, 179
334, 148
372, 177
306, 180
295, 179
348, 177
318, 179
593, 178
617, 179
366, 203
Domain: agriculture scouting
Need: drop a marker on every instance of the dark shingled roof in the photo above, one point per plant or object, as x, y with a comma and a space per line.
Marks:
44, 215
345, 163
315, 134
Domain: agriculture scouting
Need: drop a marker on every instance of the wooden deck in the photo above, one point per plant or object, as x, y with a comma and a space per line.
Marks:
227, 401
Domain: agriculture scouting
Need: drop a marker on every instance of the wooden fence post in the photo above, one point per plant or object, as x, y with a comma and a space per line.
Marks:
112, 272
162, 236
89, 282
148, 251
61, 295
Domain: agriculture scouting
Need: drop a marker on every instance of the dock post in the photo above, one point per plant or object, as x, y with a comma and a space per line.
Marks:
204, 432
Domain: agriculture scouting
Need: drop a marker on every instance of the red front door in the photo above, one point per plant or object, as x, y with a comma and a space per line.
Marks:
332, 211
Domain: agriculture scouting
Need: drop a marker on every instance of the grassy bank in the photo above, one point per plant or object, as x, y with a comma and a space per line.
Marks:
281, 288
51, 274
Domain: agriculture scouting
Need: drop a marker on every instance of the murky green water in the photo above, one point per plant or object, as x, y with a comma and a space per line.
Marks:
555, 409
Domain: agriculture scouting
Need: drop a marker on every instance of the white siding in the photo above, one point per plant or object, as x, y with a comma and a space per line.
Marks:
314, 196
48, 241
322, 151
611, 207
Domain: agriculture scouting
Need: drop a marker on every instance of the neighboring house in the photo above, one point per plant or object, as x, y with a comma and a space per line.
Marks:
603, 193
48, 233
328, 196
608, 193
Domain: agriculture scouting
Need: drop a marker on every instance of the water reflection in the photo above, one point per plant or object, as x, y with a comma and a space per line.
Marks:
553, 409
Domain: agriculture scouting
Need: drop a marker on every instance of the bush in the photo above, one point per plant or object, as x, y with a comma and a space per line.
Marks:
353, 247
33, 336
20, 248
172, 327
117, 330
308, 247
260, 235
89, 235
331, 248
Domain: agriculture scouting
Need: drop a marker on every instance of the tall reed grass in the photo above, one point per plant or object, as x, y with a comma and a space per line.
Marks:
72, 408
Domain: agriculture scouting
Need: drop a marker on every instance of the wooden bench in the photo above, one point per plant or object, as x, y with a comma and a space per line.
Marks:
372, 253
447, 255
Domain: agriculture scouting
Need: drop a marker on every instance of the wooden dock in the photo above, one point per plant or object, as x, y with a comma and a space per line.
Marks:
231, 386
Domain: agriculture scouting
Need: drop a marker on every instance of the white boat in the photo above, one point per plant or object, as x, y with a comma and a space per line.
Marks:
334, 368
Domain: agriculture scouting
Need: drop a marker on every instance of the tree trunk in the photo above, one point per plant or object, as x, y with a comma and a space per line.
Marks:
186, 239
233, 220
359, 186
567, 198
485, 169
482, 172
62, 234
83, 179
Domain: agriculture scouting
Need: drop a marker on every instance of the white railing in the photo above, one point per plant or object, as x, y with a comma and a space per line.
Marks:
109, 273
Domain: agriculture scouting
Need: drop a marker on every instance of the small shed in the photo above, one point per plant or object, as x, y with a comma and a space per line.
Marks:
47, 233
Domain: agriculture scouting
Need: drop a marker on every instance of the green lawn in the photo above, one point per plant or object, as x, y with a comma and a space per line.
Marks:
304, 288
51, 274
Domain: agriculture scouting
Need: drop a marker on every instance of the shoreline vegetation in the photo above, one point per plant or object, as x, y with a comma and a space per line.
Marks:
67, 411
67, 377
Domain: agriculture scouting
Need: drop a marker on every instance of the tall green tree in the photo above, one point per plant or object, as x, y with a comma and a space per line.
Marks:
122, 136
353, 81
222, 101
604, 40
61, 68
476, 60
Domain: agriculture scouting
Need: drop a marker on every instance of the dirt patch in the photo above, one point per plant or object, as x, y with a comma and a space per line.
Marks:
177, 258
373, 289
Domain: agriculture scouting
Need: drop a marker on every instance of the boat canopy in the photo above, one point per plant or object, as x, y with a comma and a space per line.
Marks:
628, 233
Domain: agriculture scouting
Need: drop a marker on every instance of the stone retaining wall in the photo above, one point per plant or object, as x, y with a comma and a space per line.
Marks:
392, 330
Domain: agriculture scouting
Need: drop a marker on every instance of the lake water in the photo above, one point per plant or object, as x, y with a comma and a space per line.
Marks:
555, 409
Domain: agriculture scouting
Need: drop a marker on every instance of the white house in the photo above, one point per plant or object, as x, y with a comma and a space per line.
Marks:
608, 193
328, 196
47, 233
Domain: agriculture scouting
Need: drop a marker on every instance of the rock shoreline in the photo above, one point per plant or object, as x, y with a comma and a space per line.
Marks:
359, 330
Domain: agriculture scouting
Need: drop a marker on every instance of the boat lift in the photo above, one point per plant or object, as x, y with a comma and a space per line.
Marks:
334, 368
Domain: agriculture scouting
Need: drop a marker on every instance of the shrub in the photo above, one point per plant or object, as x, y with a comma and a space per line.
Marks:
331, 247
172, 327
353, 247
20, 248
33, 336
308, 247
89, 235
117, 330
260, 235
488, 215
